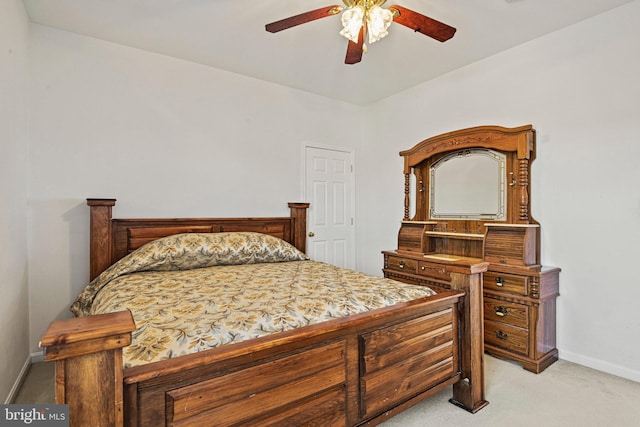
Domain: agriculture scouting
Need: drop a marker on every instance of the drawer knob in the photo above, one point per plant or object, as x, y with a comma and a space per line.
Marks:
501, 335
501, 311
401, 264
499, 281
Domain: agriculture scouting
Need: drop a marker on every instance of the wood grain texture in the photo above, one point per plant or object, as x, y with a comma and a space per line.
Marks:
70, 332
302, 18
355, 50
272, 386
113, 238
100, 230
519, 293
88, 356
423, 24
313, 375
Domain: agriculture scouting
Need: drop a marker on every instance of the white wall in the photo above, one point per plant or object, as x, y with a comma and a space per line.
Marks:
14, 309
579, 87
165, 137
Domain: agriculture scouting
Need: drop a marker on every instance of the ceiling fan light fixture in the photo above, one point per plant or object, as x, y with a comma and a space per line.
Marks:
378, 20
369, 14
352, 19
367, 19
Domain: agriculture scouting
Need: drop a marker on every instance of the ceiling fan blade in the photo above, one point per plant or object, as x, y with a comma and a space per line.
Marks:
355, 50
303, 18
422, 24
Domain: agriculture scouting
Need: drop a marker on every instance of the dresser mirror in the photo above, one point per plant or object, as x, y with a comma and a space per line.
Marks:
468, 178
468, 184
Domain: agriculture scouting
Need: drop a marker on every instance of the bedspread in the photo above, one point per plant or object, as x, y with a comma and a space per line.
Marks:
193, 292
181, 312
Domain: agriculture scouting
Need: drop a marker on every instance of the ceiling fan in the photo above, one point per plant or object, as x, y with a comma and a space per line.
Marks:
361, 17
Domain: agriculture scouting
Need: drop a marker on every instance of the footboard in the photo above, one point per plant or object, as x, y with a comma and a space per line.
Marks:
402, 360
360, 369
297, 389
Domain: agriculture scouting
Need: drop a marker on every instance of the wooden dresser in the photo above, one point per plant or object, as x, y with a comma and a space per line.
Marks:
466, 203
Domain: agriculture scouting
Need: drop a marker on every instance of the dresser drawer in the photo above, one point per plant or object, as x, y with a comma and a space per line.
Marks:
402, 264
510, 283
507, 337
506, 312
433, 270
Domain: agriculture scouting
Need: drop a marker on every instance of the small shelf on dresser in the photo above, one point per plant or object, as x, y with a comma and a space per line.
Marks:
452, 259
453, 235
452, 246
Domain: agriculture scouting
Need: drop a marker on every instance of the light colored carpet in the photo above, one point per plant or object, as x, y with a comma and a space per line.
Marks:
565, 394
39, 385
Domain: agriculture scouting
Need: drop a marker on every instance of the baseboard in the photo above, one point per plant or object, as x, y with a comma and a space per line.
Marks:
600, 365
34, 357
18, 382
37, 356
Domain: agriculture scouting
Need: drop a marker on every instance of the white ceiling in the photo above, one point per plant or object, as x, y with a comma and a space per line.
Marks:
230, 35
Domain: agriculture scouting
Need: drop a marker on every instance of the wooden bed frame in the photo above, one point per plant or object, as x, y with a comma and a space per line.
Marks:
358, 370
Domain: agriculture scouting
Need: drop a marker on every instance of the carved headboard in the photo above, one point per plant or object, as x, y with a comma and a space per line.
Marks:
113, 238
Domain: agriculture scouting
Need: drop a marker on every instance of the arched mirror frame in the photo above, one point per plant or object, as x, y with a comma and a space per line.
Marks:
517, 144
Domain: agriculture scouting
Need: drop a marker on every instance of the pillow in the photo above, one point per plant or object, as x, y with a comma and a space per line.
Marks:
195, 250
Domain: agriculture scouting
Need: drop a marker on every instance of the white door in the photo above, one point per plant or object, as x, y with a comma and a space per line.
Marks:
329, 189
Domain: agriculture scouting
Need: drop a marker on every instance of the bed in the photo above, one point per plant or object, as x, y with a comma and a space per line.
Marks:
348, 364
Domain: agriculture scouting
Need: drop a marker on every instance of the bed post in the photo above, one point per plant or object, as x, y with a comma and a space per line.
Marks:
469, 392
299, 215
100, 246
88, 366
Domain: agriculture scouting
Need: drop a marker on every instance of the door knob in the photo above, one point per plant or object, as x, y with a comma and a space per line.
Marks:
311, 234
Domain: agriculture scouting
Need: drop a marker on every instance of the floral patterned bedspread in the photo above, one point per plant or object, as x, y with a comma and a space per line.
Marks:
184, 310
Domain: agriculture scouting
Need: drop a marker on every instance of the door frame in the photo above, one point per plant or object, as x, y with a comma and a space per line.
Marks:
352, 184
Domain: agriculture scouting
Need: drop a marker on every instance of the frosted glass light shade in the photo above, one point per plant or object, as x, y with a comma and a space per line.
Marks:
378, 20
352, 20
